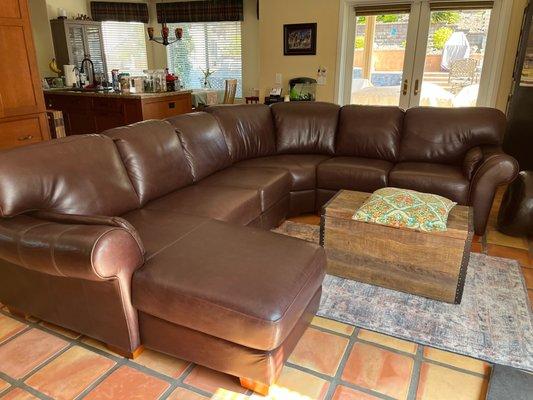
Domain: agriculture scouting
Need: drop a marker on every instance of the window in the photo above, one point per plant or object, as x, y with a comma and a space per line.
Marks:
213, 45
125, 47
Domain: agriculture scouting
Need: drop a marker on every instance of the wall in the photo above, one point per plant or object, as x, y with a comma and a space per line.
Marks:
273, 15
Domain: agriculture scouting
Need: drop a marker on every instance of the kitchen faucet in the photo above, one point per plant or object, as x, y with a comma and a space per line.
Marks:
92, 76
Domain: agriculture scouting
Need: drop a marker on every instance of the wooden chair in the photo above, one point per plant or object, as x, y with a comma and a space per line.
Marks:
231, 89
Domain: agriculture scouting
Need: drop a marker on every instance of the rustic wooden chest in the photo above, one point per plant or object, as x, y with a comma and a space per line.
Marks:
432, 264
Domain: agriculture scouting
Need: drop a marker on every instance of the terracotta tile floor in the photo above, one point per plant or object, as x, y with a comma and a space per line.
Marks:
332, 361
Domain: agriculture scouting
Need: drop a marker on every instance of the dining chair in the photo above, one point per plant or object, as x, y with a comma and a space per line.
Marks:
231, 89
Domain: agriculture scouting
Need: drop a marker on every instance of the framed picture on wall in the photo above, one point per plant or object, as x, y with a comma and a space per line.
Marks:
299, 39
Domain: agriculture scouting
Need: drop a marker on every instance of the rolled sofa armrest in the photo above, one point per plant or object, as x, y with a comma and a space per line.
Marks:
495, 169
90, 248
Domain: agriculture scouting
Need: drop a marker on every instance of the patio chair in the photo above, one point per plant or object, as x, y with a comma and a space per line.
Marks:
231, 89
462, 73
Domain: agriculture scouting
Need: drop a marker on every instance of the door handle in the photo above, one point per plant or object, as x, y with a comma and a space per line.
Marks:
23, 138
405, 87
415, 90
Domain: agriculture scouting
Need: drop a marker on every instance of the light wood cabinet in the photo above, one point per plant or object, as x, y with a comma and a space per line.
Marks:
22, 111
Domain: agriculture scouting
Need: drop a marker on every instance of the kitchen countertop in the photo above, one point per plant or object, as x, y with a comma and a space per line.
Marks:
115, 94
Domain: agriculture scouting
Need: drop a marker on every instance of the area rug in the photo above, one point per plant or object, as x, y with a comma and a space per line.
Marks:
492, 323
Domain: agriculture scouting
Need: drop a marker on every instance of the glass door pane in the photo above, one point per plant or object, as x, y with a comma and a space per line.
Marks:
380, 58
454, 56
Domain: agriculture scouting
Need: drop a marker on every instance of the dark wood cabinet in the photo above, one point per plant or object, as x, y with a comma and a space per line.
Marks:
86, 113
22, 113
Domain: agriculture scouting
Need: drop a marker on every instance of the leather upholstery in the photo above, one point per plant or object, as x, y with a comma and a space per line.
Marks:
160, 228
516, 212
441, 179
305, 127
85, 251
153, 156
73, 175
248, 128
258, 283
272, 184
497, 168
302, 167
354, 173
444, 135
204, 144
222, 355
370, 132
230, 204
473, 158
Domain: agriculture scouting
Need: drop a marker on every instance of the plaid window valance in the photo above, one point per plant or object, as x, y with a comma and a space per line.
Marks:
122, 12
200, 11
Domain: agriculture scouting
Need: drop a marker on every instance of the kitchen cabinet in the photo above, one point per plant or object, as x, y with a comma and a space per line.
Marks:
97, 112
73, 40
22, 111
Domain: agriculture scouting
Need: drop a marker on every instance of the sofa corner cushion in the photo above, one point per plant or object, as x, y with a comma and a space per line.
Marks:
231, 204
204, 143
272, 184
153, 156
250, 288
353, 173
248, 128
445, 180
369, 131
80, 174
301, 167
305, 127
444, 135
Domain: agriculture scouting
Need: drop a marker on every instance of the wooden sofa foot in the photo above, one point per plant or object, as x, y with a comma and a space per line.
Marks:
257, 387
18, 313
132, 355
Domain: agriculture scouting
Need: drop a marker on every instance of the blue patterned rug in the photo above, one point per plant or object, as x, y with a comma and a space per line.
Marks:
492, 323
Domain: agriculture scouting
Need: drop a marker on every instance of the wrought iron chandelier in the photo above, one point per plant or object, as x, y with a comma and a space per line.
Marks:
163, 39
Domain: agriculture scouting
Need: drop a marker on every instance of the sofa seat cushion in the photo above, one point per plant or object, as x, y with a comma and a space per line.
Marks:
160, 228
272, 184
444, 180
231, 204
355, 173
241, 284
302, 167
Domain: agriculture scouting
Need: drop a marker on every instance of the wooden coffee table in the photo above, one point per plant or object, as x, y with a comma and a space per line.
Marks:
427, 264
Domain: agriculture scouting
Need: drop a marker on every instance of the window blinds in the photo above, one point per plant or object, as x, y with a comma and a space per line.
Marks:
213, 45
125, 47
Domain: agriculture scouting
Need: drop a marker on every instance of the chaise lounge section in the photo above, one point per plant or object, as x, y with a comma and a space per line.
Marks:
156, 234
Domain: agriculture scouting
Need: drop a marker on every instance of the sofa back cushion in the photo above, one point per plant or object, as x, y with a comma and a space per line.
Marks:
305, 127
444, 135
153, 156
204, 144
75, 175
370, 132
248, 128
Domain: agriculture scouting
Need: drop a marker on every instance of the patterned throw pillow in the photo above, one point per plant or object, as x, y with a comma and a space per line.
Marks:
403, 208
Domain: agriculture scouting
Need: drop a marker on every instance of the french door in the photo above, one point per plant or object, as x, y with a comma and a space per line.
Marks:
429, 53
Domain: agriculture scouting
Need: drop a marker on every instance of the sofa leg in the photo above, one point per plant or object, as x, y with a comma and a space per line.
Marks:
257, 387
18, 313
132, 355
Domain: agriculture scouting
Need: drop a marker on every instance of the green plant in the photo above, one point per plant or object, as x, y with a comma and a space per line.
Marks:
388, 18
361, 20
440, 36
445, 17
359, 42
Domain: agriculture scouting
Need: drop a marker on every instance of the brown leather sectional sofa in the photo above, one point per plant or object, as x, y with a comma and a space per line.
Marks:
157, 233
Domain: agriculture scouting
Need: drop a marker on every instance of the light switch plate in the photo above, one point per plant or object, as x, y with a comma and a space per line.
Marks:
279, 78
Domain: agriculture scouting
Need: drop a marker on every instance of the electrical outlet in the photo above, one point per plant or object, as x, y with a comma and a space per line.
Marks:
279, 78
